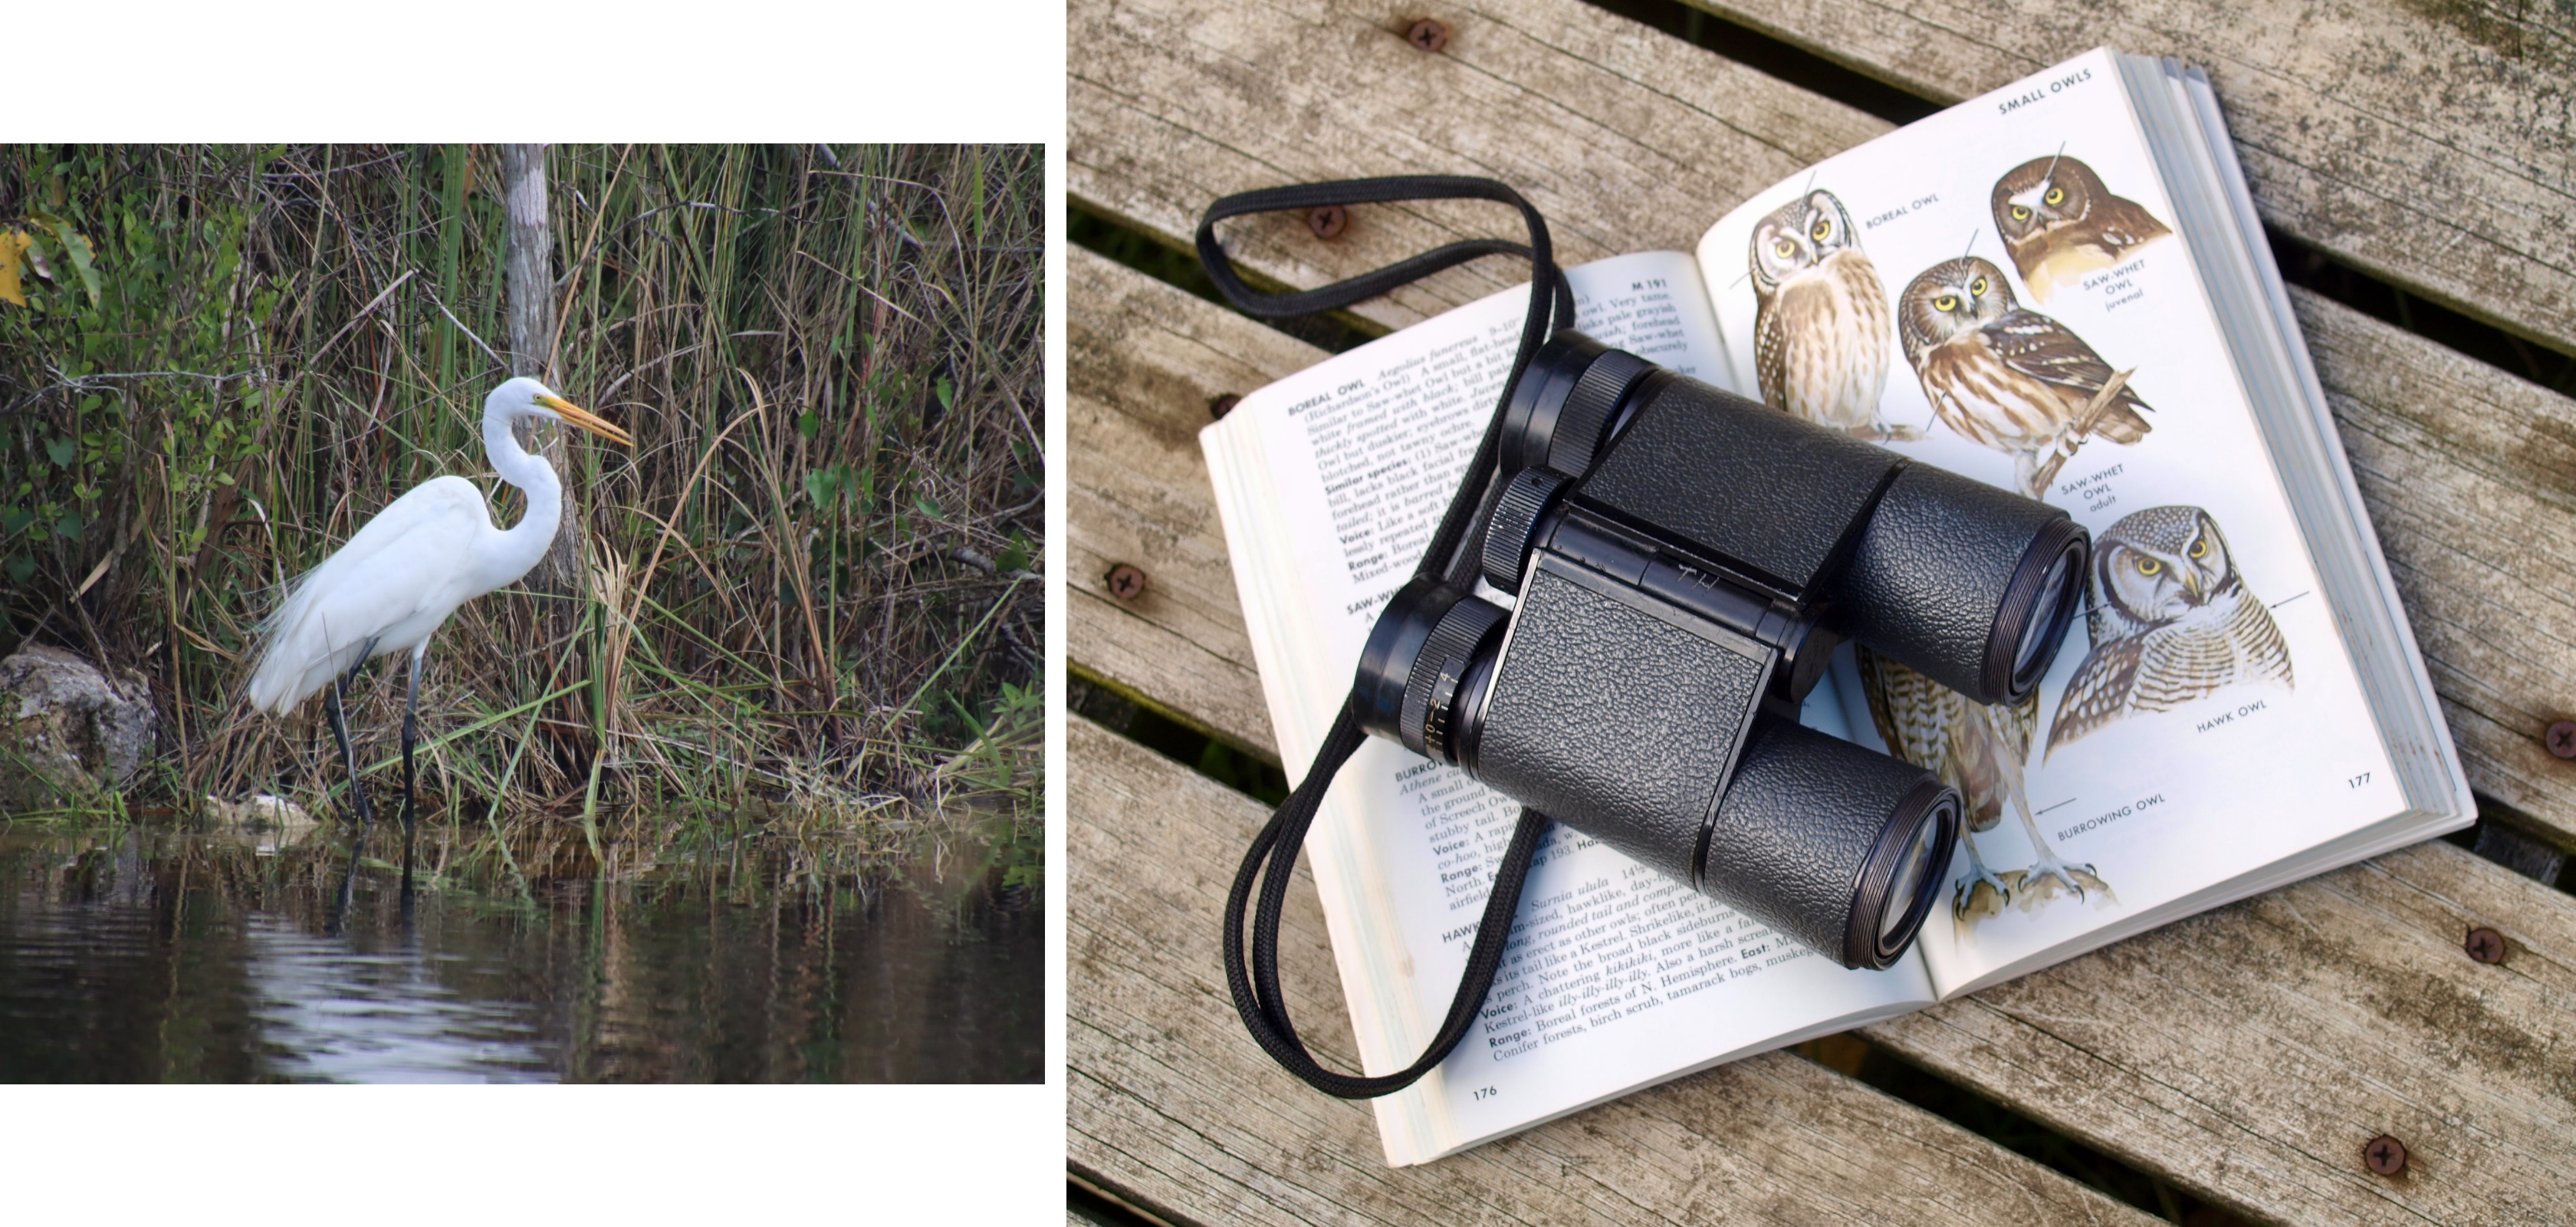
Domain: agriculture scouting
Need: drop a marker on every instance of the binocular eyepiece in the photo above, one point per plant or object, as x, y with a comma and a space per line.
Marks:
1684, 562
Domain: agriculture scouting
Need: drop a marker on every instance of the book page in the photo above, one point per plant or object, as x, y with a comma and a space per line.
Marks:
1966, 287
1330, 483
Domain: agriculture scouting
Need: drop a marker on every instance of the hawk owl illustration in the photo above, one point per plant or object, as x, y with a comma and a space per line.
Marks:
2059, 223
1820, 323
2008, 377
2171, 620
1977, 749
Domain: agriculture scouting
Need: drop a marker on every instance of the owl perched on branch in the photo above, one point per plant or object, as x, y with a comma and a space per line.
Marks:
1980, 751
2171, 621
2060, 223
1820, 321
2008, 377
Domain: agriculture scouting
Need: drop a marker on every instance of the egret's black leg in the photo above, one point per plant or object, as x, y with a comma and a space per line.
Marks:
340, 729
411, 733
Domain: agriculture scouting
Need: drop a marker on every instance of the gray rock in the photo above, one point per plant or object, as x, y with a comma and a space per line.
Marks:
68, 734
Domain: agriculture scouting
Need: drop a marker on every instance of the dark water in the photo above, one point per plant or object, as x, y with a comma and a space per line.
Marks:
153, 955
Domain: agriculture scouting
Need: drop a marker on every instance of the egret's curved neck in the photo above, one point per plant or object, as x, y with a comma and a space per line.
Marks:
523, 543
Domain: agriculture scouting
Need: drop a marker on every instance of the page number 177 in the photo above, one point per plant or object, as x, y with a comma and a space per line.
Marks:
2358, 780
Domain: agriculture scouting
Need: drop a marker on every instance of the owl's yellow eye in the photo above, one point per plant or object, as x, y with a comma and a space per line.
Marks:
1977, 288
1946, 302
2149, 566
2200, 547
1824, 230
2021, 213
2056, 195
1785, 249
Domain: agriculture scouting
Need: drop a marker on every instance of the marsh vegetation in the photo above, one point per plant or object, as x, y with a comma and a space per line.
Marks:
813, 580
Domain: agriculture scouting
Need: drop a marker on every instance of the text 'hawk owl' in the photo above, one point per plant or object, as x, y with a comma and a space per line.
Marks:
1820, 323
2060, 223
1980, 751
2171, 621
2008, 377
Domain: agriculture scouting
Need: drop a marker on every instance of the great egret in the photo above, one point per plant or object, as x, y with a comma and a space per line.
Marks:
391, 586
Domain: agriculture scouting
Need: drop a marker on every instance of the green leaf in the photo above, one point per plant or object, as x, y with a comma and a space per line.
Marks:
70, 525
822, 486
76, 247
808, 425
928, 507
20, 567
1012, 558
947, 393
14, 519
62, 451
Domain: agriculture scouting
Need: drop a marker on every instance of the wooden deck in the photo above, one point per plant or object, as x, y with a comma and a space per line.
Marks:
2246, 1055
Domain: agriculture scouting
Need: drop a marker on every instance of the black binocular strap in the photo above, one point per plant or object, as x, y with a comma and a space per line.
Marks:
1272, 859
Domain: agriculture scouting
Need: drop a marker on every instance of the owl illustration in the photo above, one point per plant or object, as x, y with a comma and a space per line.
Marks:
1820, 321
2171, 620
2060, 223
2007, 377
1980, 751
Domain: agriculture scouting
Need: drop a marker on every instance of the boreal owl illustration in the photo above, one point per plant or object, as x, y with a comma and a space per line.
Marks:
1977, 749
1820, 321
2060, 223
2171, 620
2006, 376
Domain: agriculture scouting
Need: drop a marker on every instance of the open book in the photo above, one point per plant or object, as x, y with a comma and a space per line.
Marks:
2242, 705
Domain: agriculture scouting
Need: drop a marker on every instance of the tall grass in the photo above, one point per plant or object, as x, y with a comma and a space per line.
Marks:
811, 578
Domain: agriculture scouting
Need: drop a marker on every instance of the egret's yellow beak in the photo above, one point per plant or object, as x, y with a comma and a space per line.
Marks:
587, 420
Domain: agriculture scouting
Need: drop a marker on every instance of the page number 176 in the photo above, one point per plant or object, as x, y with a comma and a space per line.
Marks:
1488, 1092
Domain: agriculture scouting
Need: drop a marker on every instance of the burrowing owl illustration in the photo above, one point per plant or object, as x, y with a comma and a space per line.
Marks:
2008, 377
1820, 324
1976, 749
2060, 223
2171, 620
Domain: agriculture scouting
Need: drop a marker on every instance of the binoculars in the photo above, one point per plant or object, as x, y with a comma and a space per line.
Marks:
1683, 563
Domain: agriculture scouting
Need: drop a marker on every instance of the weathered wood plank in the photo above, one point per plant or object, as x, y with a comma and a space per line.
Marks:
2250, 1052
1165, 117
1172, 1104
2433, 144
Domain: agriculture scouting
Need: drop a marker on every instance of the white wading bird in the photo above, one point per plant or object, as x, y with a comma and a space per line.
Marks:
391, 586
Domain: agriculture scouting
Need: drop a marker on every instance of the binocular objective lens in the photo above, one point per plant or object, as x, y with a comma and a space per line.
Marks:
2055, 592
1908, 882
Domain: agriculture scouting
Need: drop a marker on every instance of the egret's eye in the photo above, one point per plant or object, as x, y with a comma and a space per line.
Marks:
2149, 566
1824, 229
2021, 213
1946, 302
1977, 288
1785, 249
2200, 547
2056, 195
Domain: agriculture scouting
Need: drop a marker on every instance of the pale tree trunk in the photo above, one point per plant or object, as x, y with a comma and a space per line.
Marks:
532, 338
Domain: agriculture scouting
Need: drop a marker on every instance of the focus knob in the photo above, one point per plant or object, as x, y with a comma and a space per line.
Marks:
1512, 528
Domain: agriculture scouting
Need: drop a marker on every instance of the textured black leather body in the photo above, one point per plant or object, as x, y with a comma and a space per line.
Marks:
1614, 720
1929, 573
1740, 482
1796, 826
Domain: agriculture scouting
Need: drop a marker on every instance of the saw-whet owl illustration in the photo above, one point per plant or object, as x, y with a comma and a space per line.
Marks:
2171, 621
2006, 376
1979, 750
2058, 223
1820, 323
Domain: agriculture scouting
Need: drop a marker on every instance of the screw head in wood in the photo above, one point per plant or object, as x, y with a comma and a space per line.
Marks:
2485, 945
2385, 1155
1125, 582
1428, 35
1223, 405
1327, 221
2561, 739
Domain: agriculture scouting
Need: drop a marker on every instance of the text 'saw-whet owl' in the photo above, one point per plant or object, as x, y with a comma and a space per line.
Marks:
2008, 377
1980, 751
2171, 621
1820, 319
2059, 223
